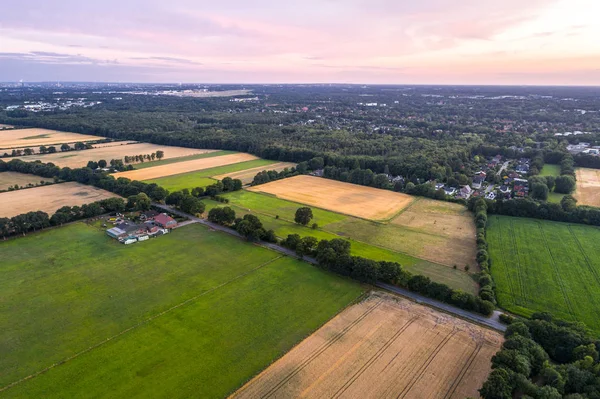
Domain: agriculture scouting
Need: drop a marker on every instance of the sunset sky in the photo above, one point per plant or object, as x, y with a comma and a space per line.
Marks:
320, 41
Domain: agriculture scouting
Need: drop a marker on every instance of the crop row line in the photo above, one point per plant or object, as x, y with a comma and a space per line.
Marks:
555, 267
519, 268
463, 370
508, 274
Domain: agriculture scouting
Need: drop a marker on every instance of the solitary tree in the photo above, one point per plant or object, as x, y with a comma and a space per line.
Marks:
102, 163
303, 216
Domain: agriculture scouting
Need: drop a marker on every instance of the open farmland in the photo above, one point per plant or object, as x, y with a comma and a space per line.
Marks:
205, 177
184, 167
49, 198
151, 164
79, 159
383, 347
371, 240
546, 266
346, 198
9, 179
36, 137
587, 191
177, 310
247, 176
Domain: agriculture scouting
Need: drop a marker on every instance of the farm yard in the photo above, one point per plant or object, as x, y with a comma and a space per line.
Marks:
205, 177
35, 137
546, 266
10, 179
350, 199
247, 176
79, 159
184, 166
100, 311
49, 198
414, 249
587, 191
383, 347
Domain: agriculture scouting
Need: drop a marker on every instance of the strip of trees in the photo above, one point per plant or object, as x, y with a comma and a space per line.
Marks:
545, 358
144, 157
34, 221
486, 284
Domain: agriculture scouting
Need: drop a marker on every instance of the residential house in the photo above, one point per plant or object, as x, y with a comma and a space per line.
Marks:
491, 195
478, 182
439, 185
465, 192
449, 190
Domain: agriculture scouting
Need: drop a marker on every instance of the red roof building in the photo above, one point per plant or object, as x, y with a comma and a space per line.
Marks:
165, 221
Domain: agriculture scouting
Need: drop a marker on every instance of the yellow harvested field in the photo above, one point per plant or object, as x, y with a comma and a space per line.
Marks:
246, 176
184, 167
350, 199
453, 222
35, 137
384, 347
113, 144
9, 179
587, 191
49, 198
78, 159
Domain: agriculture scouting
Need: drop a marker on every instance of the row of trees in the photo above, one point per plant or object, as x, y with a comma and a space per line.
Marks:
47, 150
33, 221
545, 358
271, 175
186, 202
144, 157
486, 284
249, 226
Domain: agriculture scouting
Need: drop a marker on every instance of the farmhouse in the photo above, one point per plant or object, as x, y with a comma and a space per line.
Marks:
154, 224
165, 221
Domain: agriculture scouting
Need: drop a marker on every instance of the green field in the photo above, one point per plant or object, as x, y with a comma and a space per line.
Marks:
181, 159
194, 313
550, 170
546, 266
202, 178
369, 239
555, 197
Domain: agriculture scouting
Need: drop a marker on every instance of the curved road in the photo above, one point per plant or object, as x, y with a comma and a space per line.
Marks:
491, 322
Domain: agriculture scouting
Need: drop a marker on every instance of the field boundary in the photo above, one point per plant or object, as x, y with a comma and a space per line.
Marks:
519, 268
139, 324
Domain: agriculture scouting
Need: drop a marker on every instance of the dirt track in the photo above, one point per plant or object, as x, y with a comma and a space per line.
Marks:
49, 198
184, 167
350, 199
36, 137
588, 187
78, 159
384, 347
246, 176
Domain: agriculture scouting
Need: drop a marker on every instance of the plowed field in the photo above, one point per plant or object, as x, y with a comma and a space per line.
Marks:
383, 347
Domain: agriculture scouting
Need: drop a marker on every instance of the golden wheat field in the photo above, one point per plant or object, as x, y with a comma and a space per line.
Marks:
383, 347
79, 159
587, 191
35, 137
49, 198
9, 179
350, 199
184, 166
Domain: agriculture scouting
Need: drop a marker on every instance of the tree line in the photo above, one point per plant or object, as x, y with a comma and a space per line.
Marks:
545, 358
144, 157
34, 221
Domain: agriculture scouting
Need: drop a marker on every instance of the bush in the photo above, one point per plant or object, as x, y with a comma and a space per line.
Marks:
506, 319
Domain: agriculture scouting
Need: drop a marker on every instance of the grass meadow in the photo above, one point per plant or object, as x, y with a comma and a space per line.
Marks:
546, 266
181, 159
550, 170
193, 313
202, 178
369, 239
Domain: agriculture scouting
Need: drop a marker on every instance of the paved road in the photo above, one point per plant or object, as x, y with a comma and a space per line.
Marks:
504, 166
492, 322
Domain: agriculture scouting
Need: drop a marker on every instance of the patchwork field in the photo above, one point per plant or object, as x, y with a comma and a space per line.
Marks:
372, 240
79, 159
9, 179
346, 198
184, 167
49, 198
383, 347
205, 177
546, 266
117, 324
247, 176
587, 191
168, 161
36, 137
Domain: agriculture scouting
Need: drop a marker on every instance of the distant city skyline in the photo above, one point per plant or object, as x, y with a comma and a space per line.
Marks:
535, 42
